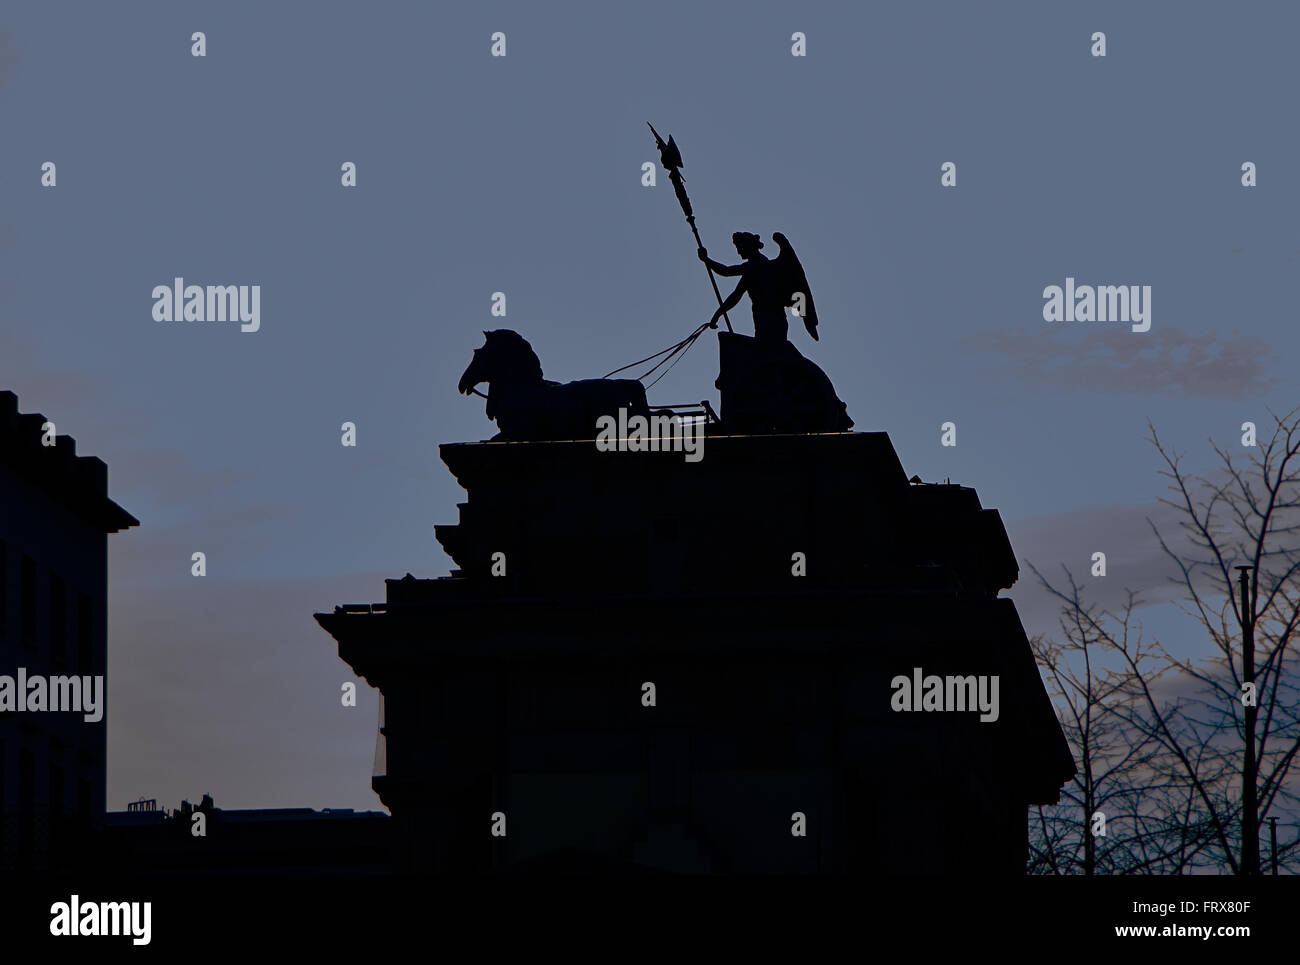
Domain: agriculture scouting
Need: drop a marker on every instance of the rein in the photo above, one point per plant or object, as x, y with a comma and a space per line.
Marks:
678, 349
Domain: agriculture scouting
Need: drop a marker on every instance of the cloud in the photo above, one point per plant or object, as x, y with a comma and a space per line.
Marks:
54, 392
1134, 559
1160, 362
168, 479
231, 688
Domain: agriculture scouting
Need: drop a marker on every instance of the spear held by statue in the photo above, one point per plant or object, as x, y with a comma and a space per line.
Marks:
671, 159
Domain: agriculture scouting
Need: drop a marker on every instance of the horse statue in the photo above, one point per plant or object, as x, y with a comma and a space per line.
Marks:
527, 407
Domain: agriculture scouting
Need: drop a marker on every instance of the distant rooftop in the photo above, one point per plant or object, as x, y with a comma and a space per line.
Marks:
135, 817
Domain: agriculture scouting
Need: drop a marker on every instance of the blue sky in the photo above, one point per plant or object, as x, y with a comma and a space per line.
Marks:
522, 174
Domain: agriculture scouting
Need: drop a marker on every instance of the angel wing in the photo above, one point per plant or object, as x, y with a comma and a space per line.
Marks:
794, 284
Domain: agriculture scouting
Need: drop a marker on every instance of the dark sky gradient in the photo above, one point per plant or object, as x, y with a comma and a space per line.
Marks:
522, 175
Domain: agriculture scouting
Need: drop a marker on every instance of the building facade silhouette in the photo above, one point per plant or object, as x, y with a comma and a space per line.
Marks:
53, 624
642, 664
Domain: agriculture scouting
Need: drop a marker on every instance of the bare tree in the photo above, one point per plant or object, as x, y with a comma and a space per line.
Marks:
1123, 812
1219, 736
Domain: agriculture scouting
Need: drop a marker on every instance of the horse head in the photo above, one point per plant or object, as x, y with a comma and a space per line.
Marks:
479, 369
505, 361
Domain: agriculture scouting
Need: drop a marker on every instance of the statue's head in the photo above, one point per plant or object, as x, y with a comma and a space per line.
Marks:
747, 243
